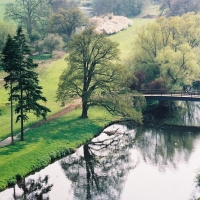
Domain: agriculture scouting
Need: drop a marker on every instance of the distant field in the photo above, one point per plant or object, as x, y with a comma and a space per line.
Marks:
126, 38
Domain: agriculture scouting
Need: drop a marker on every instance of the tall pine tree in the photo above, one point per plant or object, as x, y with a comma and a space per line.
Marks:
24, 88
9, 63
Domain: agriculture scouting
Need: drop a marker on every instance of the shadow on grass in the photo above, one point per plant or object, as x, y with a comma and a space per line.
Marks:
42, 57
10, 149
64, 130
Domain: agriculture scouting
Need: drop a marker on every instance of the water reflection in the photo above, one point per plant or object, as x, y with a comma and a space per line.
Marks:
124, 163
187, 113
101, 169
165, 147
183, 113
32, 189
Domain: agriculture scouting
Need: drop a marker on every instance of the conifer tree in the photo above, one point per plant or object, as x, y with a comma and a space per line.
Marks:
25, 90
8, 64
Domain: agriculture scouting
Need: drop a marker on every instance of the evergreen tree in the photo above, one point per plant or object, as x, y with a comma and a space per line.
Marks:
9, 64
25, 91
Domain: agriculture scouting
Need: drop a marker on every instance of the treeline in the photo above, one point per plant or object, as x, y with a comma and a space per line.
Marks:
166, 53
49, 24
128, 8
179, 7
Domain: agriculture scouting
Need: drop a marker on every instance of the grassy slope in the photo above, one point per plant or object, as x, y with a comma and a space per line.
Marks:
126, 38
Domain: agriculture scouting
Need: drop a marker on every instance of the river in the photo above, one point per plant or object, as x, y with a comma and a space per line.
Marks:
149, 162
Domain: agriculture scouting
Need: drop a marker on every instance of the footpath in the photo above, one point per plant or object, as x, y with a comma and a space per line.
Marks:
75, 104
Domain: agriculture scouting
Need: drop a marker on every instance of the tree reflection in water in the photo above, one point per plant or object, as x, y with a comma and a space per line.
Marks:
101, 169
32, 189
100, 172
165, 147
187, 113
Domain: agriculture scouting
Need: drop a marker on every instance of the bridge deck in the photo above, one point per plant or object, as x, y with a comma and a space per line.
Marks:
172, 95
172, 98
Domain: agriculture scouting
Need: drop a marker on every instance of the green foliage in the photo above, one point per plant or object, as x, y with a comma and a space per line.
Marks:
58, 138
48, 77
179, 7
64, 22
93, 71
2, 7
39, 46
49, 73
21, 79
127, 8
6, 29
33, 15
167, 51
53, 42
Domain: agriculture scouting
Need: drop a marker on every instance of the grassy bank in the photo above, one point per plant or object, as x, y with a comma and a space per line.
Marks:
48, 142
49, 76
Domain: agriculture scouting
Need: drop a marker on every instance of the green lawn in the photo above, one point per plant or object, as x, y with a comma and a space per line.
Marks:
126, 38
49, 141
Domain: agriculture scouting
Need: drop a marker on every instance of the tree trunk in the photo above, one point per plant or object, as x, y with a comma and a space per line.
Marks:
84, 109
22, 115
11, 113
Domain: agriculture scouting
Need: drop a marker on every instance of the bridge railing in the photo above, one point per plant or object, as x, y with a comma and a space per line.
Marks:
170, 92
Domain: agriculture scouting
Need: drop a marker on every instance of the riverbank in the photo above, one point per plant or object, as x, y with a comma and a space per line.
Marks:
50, 141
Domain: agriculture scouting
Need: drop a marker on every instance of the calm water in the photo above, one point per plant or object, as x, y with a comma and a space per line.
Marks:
142, 163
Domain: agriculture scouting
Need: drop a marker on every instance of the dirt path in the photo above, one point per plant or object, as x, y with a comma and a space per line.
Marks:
75, 104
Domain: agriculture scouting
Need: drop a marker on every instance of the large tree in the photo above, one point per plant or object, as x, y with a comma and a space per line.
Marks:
65, 22
32, 15
167, 52
94, 75
22, 80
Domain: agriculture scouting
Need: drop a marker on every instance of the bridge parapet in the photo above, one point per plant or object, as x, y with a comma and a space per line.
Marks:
170, 92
